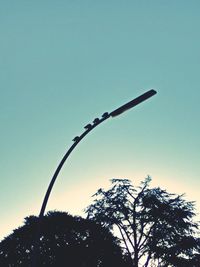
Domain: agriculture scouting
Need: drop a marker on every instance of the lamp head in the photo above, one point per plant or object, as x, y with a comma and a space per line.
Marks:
133, 103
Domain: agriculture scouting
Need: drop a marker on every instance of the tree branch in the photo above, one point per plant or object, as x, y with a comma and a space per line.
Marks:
124, 240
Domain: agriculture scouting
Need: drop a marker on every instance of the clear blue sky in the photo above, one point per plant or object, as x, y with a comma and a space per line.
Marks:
63, 63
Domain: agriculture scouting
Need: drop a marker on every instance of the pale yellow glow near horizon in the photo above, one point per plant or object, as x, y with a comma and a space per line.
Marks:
77, 197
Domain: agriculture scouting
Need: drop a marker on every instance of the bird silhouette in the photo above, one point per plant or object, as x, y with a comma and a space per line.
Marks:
95, 121
105, 115
76, 139
88, 126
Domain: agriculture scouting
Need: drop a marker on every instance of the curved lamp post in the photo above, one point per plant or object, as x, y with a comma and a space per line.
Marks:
76, 140
88, 128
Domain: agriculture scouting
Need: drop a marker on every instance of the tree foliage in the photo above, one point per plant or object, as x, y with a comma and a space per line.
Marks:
156, 228
64, 240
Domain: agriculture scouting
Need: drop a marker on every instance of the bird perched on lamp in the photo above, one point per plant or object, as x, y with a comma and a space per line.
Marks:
88, 126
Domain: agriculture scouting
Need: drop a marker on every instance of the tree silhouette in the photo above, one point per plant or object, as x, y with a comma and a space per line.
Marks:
156, 228
64, 240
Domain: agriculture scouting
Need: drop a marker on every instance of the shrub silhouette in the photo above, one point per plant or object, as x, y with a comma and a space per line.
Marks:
64, 240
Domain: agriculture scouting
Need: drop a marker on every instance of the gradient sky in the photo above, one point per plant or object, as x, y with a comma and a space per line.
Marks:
65, 62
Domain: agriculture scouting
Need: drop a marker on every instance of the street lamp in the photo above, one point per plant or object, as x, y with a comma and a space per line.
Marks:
88, 128
76, 140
